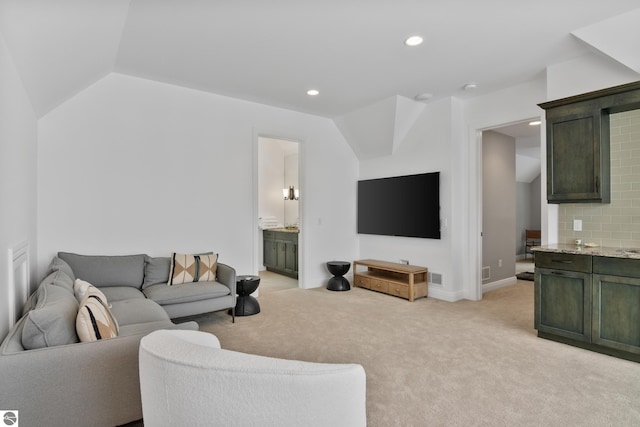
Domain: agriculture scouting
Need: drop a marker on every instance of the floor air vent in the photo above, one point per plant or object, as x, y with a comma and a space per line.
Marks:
486, 273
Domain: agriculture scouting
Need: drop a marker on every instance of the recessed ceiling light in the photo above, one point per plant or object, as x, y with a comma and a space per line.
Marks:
313, 92
423, 96
413, 41
535, 123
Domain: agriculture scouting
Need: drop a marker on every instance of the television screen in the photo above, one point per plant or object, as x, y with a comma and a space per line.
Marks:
400, 206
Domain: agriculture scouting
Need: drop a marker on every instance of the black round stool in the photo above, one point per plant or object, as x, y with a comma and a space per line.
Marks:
246, 305
338, 269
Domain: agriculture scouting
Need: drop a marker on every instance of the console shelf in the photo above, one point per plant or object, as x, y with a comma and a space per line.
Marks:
402, 280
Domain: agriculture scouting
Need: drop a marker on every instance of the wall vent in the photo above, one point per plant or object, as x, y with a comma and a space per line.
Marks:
486, 273
435, 278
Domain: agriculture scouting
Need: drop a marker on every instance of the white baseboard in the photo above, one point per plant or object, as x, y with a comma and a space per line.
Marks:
486, 287
441, 294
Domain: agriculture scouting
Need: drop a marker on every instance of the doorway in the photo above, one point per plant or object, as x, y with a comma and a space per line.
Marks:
511, 199
278, 213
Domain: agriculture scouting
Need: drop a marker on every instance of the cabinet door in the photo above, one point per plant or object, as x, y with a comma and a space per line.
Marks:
616, 312
270, 254
291, 257
578, 156
563, 303
281, 249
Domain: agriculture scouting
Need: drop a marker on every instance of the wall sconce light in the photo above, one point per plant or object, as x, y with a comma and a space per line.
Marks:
291, 193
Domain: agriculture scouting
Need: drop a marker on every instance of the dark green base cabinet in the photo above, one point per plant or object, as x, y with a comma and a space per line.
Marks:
564, 299
563, 295
281, 252
589, 308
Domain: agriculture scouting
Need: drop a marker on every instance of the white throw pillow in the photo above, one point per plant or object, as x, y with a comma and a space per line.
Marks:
95, 321
80, 288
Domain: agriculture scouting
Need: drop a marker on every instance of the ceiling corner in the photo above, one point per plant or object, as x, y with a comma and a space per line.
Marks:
379, 129
616, 37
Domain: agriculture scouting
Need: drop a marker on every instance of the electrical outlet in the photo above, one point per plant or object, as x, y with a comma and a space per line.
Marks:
577, 225
499, 263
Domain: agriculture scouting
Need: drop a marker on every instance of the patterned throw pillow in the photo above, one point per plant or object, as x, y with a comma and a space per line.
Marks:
95, 321
192, 268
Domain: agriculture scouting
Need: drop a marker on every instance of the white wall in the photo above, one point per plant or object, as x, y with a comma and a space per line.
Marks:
499, 108
586, 73
426, 148
18, 139
130, 165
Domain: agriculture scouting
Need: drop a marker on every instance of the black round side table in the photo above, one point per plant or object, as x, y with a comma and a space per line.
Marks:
246, 305
338, 269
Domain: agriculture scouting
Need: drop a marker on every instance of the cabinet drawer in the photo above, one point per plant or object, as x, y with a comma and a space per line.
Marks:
560, 261
379, 285
287, 236
268, 234
362, 282
627, 267
399, 290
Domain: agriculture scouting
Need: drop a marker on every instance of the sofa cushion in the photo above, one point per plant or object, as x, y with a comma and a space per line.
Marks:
53, 320
61, 279
118, 293
116, 270
56, 278
186, 268
156, 270
30, 303
94, 320
145, 328
137, 310
58, 264
186, 292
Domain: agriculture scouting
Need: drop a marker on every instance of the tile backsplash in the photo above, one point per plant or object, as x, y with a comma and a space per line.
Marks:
615, 224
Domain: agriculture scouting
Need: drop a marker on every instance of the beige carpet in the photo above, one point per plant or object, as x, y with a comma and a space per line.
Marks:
434, 363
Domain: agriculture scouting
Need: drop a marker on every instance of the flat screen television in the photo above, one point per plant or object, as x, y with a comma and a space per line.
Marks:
400, 206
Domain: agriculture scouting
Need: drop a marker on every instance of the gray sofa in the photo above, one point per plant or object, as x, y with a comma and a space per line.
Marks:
53, 379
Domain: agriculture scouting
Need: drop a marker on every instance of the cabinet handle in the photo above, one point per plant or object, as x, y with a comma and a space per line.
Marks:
558, 273
562, 261
597, 184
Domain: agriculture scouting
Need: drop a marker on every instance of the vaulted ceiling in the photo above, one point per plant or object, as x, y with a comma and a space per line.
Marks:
271, 52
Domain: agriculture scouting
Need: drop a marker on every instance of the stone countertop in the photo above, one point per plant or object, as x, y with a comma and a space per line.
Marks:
633, 253
286, 230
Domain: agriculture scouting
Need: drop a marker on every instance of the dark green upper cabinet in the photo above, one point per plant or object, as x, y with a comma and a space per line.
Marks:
578, 161
578, 157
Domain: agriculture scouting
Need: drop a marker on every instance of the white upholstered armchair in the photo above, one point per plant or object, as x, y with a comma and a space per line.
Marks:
187, 379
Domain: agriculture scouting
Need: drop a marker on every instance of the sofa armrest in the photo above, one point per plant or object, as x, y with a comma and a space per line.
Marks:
227, 276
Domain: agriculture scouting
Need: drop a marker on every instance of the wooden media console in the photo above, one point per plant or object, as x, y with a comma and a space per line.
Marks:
401, 280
